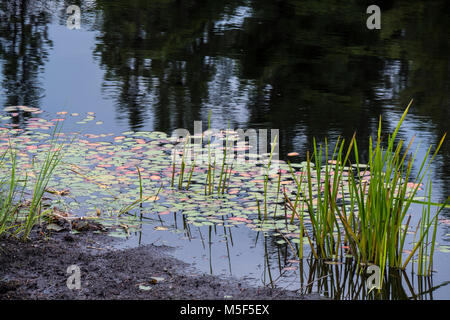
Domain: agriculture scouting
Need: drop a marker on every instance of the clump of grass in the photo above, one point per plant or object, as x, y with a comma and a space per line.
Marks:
225, 170
12, 189
181, 177
218, 171
10, 193
375, 233
52, 159
367, 216
227, 167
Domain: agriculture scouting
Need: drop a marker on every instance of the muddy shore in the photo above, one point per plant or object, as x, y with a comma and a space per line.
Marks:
37, 269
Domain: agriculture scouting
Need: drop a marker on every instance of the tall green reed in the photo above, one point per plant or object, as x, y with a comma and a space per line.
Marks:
12, 188
45, 172
11, 194
365, 207
219, 167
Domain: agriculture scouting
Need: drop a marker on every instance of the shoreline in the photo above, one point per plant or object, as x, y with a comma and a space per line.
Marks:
37, 269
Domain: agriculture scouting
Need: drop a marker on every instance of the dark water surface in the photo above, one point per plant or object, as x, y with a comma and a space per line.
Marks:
307, 68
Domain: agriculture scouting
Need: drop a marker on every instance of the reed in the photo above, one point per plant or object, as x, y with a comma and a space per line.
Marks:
217, 167
181, 178
191, 171
52, 159
225, 172
209, 182
11, 194
138, 202
266, 176
364, 207
13, 185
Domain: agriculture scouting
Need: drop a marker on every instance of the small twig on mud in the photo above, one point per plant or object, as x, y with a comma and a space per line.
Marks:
95, 248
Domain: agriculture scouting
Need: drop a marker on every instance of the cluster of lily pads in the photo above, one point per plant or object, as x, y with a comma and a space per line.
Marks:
98, 176
99, 172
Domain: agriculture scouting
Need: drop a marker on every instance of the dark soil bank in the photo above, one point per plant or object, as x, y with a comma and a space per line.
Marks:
38, 270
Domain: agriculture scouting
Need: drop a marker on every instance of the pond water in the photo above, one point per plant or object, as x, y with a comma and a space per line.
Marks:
308, 69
